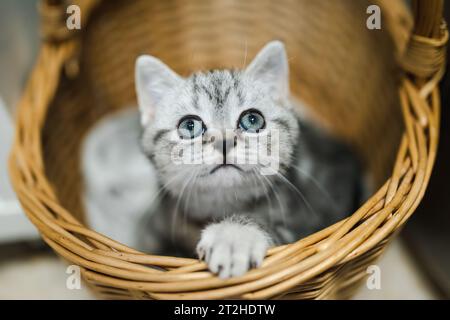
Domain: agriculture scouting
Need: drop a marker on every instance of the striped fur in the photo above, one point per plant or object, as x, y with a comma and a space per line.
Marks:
316, 183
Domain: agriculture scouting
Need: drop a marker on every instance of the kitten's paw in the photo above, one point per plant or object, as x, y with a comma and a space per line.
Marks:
231, 248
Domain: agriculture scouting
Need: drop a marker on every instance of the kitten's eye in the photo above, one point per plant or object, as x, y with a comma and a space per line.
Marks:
191, 127
252, 121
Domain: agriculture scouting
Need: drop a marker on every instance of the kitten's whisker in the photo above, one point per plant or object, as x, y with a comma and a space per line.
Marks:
266, 194
294, 188
245, 54
163, 188
188, 199
175, 213
277, 196
315, 182
255, 173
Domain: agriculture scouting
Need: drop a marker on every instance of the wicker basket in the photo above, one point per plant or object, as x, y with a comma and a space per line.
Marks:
71, 87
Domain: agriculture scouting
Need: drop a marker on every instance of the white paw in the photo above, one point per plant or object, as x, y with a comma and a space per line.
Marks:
231, 248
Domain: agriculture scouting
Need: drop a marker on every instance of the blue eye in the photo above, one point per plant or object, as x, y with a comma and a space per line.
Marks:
252, 121
190, 127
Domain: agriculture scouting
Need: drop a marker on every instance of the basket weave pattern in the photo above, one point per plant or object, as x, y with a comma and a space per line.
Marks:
328, 264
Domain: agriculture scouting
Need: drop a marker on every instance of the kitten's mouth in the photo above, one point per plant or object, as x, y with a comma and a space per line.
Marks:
224, 166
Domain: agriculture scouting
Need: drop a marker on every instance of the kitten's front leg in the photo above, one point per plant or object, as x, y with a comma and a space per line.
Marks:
233, 246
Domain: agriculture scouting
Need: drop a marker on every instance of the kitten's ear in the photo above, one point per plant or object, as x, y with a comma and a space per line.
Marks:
271, 66
153, 81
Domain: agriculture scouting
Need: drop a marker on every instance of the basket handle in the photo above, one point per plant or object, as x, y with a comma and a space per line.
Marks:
426, 53
428, 17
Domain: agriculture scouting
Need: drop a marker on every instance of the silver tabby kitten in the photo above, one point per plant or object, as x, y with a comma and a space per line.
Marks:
200, 133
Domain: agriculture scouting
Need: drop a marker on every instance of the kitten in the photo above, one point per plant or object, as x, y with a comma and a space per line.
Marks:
196, 132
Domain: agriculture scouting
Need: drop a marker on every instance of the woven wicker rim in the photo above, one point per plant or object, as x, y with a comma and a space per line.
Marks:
308, 265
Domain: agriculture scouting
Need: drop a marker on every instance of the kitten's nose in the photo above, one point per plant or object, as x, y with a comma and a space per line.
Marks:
225, 145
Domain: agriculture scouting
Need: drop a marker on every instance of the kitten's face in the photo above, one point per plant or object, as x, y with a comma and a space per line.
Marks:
218, 130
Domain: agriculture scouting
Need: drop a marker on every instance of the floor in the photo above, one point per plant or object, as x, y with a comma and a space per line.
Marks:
41, 275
